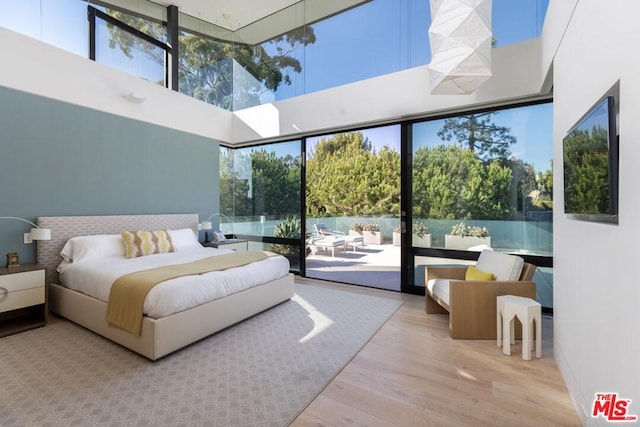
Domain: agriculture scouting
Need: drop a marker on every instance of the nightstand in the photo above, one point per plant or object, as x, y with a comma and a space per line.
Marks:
22, 298
238, 245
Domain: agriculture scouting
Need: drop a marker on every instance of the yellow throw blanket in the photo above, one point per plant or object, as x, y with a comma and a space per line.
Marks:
128, 292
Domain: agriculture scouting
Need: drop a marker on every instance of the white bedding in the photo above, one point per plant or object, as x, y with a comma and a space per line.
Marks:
95, 276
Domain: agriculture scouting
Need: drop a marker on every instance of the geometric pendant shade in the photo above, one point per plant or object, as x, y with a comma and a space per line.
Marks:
460, 39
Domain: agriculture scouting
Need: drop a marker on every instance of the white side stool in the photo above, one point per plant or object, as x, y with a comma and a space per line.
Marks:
529, 312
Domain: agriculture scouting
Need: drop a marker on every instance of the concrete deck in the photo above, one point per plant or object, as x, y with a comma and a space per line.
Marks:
371, 265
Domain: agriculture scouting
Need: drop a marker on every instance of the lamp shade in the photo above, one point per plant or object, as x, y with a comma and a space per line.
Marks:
460, 39
208, 225
40, 234
36, 233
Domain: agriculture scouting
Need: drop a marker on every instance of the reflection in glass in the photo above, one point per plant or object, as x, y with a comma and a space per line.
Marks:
205, 69
260, 194
292, 252
121, 50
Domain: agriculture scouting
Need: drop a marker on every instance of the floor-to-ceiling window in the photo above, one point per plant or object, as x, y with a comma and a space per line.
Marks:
476, 180
484, 180
260, 197
353, 193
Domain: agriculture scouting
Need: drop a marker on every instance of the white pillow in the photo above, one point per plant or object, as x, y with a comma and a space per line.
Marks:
88, 247
503, 266
184, 238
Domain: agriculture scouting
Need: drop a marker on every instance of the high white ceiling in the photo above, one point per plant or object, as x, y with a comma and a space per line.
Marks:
230, 14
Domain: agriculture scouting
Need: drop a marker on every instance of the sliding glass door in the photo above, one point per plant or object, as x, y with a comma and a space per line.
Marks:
353, 207
484, 180
471, 181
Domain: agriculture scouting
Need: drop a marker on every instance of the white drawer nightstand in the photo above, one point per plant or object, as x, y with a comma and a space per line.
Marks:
22, 298
238, 245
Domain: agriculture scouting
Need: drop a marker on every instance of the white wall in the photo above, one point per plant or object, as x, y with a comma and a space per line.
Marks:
596, 282
517, 74
45, 70
32, 66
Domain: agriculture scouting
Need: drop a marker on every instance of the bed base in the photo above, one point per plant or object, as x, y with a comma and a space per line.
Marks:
162, 336
159, 336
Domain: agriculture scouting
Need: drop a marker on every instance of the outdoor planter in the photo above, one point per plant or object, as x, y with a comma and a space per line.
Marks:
465, 242
421, 242
372, 237
396, 238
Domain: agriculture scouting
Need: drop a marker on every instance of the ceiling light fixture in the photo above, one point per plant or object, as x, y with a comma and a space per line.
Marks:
460, 39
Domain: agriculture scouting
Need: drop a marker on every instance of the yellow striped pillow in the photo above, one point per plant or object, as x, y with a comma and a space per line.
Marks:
141, 243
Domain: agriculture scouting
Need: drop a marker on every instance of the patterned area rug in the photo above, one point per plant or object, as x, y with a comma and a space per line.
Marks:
261, 372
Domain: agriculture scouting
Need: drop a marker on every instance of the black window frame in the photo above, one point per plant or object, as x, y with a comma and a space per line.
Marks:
170, 77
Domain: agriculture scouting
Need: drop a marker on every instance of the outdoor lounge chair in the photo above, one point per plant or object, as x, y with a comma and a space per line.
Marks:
320, 230
324, 238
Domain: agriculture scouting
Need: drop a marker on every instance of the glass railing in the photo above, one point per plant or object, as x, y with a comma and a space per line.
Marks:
239, 70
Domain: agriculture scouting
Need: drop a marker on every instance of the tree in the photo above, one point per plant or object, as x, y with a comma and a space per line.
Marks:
524, 182
275, 184
347, 177
205, 64
544, 183
586, 181
450, 182
259, 183
234, 187
479, 134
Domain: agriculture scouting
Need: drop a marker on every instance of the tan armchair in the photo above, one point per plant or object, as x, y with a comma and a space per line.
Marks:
472, 304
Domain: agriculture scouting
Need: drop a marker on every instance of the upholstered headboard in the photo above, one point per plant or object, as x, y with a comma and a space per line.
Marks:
65, 227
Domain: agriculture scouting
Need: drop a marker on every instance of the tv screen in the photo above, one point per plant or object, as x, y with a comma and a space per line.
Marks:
590, 154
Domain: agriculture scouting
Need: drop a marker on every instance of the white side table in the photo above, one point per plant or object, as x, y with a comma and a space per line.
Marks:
529, 312
22, 298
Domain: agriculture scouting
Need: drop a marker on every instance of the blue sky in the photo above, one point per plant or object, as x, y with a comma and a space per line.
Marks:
385, 36
532, 126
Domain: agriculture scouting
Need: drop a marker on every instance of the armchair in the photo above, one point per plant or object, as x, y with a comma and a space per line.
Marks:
471, 304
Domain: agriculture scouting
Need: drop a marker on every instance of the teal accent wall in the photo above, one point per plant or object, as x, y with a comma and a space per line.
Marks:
61, 159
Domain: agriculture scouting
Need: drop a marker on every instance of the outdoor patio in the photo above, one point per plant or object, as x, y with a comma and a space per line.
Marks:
371, 265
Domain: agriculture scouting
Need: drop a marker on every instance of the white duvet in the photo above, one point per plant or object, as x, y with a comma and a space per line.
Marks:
95, 276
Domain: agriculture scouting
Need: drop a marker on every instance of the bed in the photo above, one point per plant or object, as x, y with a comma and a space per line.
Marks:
164, 333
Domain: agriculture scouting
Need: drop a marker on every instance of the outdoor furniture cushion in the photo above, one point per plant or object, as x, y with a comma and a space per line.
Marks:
439, 288
503, 266
474, 273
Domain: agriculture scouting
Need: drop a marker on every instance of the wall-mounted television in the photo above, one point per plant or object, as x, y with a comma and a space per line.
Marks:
590, 155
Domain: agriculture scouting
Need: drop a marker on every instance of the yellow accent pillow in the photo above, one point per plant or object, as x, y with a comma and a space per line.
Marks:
477, 275
141, 243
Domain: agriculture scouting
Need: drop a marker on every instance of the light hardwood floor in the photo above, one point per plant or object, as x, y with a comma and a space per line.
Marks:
411, 373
